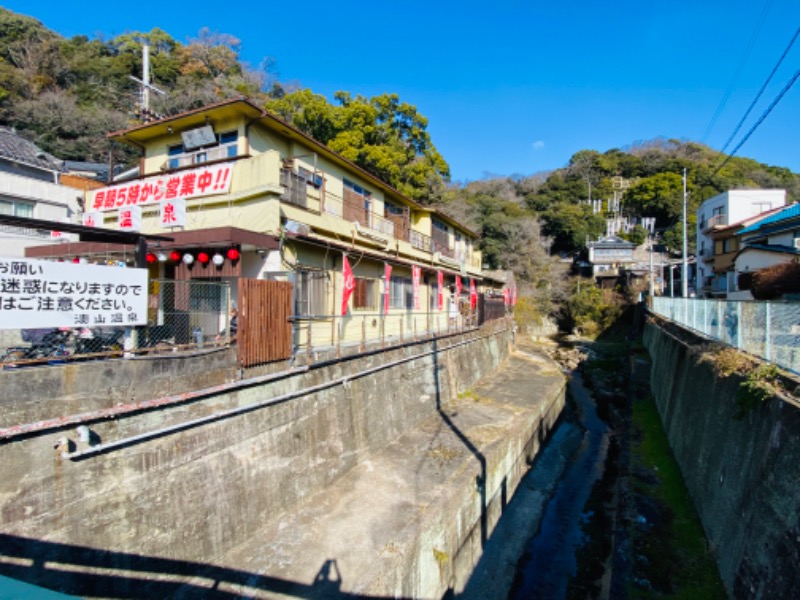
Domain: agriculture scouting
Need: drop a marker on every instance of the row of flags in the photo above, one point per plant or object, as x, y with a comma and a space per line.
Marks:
509, 296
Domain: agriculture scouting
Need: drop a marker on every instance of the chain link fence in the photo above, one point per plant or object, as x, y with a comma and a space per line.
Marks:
181, 315
770, 330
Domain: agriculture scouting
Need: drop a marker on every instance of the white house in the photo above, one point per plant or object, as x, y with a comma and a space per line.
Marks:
770, 241
720, 211
30, 187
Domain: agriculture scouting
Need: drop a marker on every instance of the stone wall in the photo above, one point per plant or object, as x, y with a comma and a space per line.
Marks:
741, 471
152, 496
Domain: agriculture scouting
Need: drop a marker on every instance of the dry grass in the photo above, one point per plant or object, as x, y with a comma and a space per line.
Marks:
727, 360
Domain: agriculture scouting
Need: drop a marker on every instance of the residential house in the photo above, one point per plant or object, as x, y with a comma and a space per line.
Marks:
244, 195
720, 257
31, 186
608, 258
719, 212
772, 240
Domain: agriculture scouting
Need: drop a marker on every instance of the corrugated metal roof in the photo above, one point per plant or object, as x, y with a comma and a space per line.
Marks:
790, 212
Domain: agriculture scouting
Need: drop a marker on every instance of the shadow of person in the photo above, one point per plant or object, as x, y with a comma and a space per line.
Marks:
328, 581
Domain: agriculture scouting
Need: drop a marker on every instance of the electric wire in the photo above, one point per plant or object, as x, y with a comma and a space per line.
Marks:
774, 103
735, 78
761, 91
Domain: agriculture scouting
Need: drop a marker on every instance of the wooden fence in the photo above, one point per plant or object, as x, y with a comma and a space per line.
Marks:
265, 326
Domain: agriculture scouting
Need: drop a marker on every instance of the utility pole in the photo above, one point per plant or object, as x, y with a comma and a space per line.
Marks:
685, 268
652, 283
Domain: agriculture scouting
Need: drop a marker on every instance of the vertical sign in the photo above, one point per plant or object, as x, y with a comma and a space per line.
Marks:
173, 213
349, 283
130, 218
387, 282
440, 288
416, 275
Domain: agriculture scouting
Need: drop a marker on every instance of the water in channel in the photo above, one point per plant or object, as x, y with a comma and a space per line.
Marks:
549, 560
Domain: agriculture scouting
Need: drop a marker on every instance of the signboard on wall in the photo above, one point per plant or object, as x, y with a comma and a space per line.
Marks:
38, 294
194, 183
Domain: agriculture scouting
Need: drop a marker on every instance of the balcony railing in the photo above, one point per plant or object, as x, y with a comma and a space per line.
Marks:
420, 241
357, 211
202, 156
714, 221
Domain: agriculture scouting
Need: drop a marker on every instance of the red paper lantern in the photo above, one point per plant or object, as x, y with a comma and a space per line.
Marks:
203, 257
233, 254
150, 258
76, 260
174, 256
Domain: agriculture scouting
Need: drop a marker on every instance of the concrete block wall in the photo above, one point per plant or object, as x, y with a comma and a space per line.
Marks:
153, 498
742, 473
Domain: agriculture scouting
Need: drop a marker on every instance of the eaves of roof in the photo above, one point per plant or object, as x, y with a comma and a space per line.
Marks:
134, 136
787, 213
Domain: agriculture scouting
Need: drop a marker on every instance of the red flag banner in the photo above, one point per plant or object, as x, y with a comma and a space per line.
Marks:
440, 286
458, 286
416, 275
473, 295
387, 276
506, 296
349, 283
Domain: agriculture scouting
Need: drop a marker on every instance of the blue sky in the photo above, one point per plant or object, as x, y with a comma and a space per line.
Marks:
512, 87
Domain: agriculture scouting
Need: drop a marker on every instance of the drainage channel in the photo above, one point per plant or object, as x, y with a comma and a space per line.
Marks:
549, 560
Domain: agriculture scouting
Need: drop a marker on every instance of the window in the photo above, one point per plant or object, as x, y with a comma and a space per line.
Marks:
401, 293
310, 178
433, 296
354, 187
365, 294
225, 147
440, 225
730, 245
393, 209
310, 288
16, 208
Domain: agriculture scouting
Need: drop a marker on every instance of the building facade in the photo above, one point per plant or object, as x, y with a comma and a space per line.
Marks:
244, 195
718, 213
31, 186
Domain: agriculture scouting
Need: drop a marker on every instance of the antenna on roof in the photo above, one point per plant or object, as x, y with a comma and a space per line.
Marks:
146, 87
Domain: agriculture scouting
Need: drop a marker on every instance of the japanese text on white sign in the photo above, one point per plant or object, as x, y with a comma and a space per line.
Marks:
39, 294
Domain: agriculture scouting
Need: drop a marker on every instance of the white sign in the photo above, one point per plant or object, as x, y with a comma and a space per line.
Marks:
205, 181
130, 218
173, 213
38, 294
92, 219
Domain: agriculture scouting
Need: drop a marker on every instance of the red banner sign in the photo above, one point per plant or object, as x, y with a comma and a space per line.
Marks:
388, 287
349, 283
206, 181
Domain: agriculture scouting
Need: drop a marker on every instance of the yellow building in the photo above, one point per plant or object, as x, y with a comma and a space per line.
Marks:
245, 195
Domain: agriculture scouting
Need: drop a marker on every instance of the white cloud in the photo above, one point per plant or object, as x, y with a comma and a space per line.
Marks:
538, 145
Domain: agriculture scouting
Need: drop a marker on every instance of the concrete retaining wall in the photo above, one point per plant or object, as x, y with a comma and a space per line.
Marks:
742, 472
173, 501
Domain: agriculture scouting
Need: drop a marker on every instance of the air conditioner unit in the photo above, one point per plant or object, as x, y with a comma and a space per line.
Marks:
797, 243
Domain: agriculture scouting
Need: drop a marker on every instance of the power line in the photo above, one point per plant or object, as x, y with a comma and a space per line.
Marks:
760, 120
761, 91
732, 84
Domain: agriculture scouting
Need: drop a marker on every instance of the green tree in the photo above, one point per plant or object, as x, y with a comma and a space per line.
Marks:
659, 196
383, 135
570, 225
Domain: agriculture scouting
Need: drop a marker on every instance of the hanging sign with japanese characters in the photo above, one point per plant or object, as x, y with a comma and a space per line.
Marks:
130, 218
194, 183
173, 213
38, 294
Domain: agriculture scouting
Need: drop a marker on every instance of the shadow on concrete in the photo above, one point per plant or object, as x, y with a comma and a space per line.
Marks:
480, 480
83, 571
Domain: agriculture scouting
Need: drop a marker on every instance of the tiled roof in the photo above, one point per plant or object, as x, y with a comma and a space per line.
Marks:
790, 212
17, 149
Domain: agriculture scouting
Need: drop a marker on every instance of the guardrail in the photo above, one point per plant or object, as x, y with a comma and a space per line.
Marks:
769, 330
